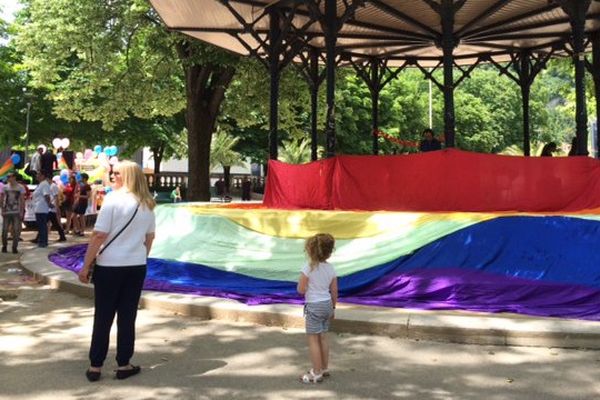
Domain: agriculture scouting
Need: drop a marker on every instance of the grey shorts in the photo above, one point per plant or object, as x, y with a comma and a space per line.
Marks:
317, 316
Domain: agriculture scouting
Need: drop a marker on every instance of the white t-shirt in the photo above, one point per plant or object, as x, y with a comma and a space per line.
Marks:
128, 249
41, 206
12, 198
319, 280
54, 190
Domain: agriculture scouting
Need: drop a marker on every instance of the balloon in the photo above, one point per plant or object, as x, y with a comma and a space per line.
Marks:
113, 160
56, 143
64, 179
15, 158
102, 156
56, 179
88, 154
64, 172
115, 150
98, 149
65, 143
78, 176
79, 155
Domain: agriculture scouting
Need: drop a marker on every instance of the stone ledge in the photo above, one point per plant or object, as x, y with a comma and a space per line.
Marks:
445, 326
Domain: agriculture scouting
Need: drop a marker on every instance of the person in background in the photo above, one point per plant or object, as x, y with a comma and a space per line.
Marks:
42, 202
573, 150
68, 203
548, 149
82, 193
35, 164
13, 209
429, 142
128, 215
48, 161
220, 187
246, 189
176, 194
54, 210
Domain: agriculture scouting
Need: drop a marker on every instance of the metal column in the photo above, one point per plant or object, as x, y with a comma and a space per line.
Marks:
274, 53
330, 42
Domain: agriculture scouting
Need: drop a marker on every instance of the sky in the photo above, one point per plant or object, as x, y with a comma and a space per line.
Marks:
8, 9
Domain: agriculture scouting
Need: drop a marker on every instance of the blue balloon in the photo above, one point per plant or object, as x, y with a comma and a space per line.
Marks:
64, 172
78, 176
64, 179
115, 150
98, 148
15, 158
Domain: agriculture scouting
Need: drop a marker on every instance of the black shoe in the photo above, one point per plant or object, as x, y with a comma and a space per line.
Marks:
4, 249
33, 241
126, 373
15, 251
63, 239
92, 376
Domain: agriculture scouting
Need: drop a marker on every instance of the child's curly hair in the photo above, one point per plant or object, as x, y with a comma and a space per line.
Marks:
319, 248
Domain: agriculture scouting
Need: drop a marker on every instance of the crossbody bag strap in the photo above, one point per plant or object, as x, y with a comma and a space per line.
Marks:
121, 231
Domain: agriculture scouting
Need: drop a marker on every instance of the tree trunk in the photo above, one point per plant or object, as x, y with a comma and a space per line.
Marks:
205, 90
157, 155
227, 179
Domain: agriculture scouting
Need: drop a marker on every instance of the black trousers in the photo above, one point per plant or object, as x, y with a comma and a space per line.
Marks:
53, 218
117, 290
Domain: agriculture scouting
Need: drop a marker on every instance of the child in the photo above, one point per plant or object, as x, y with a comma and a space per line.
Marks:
318, 283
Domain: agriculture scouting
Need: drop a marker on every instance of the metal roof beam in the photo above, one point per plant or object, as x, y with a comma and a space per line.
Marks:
403, 17
519, 36
511, 20
379, 44
355, 23
484, 15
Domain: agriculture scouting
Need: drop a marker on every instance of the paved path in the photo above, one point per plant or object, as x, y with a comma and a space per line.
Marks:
44, 337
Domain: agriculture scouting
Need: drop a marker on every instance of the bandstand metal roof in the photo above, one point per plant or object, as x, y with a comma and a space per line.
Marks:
396, 30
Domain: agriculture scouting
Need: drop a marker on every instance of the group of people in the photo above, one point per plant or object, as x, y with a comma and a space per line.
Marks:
222, 190
51, 201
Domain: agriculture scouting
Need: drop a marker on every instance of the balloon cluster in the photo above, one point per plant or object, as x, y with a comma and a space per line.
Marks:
58, 143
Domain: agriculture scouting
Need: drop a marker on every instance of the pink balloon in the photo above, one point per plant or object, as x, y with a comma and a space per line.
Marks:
88, 154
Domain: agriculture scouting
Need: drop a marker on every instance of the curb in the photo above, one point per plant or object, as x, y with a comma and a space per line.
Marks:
443, 326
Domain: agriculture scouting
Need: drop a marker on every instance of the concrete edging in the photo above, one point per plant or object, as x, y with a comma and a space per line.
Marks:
445, 326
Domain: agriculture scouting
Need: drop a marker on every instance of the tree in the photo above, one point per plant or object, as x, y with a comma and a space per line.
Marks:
110, 61
223, 153
295, 151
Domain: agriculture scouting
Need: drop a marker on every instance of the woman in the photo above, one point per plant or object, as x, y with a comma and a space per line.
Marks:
67, 205
120, 266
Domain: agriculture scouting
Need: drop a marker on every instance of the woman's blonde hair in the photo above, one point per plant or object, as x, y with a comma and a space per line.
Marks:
319, 248
134, 181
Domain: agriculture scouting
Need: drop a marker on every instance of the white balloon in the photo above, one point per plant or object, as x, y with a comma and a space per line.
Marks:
79, 155
56, 143
102, 157
113, 160
65, 143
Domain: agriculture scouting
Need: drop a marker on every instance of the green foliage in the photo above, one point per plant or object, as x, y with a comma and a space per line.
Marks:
100, 61
295, 151
222, 150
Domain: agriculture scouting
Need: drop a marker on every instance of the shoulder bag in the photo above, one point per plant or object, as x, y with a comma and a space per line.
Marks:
93, 265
